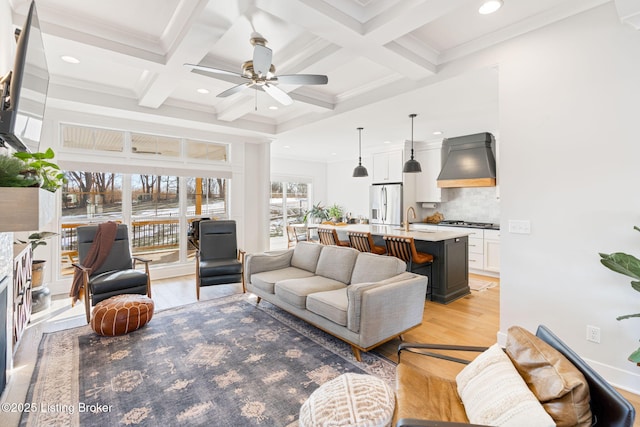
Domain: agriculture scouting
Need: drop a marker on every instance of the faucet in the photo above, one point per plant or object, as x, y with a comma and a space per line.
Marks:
406, 223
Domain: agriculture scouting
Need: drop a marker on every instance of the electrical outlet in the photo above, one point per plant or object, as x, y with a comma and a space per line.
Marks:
519, 226
593, 334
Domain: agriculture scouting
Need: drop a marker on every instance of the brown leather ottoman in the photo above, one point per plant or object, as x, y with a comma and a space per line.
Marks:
121, 314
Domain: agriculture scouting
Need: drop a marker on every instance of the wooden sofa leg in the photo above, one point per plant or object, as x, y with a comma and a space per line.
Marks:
258, 300
356, 353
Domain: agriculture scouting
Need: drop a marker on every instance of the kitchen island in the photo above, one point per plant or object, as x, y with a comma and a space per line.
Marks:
449, 277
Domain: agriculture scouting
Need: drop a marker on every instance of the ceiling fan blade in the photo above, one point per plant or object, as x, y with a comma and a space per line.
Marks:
261, 60
213, 70
234, 89
278, 94
302, 79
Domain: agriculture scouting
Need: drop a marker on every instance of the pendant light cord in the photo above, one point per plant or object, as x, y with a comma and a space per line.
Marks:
360, 146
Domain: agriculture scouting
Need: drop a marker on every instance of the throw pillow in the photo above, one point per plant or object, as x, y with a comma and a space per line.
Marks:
558, 385
493, 393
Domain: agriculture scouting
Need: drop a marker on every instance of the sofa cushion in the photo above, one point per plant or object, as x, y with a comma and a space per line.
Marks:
337, 263
558, 385
305, 256
331, 305
494, 393
266, 280
373, 268
295, 291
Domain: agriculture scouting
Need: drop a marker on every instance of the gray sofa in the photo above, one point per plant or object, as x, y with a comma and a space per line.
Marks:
361, 298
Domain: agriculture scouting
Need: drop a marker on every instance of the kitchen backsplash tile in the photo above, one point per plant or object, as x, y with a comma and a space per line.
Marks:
469, 204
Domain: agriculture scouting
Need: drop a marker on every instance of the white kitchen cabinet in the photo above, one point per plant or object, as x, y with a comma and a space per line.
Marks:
387, 167
427, 189
492, 250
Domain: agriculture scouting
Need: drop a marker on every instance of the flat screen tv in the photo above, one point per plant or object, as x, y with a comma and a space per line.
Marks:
24, 89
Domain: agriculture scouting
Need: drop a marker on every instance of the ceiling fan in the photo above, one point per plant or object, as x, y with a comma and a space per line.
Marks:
260, 74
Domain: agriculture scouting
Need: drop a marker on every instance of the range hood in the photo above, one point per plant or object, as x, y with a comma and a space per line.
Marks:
469, 161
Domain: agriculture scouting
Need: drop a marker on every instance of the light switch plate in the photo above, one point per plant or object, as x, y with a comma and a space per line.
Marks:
519, 226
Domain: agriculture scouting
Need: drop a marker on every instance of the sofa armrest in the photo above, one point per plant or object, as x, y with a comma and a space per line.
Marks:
381, 309
266, 261
412, 422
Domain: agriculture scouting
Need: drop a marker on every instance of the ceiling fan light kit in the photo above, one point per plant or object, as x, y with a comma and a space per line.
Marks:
360, 171
412, 165
260, 74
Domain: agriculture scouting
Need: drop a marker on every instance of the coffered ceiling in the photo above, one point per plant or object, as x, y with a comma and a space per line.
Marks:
380, 57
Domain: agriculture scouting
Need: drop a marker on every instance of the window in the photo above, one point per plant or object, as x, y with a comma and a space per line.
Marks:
155, 145
92, 139
288, 205
207, 197
206, 150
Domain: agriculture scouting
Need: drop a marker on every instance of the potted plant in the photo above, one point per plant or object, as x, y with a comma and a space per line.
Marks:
335, 212
628, 265
316, 213
40, 170
11, 175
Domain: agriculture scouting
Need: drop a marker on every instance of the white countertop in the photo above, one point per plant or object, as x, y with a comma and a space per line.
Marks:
397, 230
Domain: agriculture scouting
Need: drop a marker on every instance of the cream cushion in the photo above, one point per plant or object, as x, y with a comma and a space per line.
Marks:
494, 393
353, 400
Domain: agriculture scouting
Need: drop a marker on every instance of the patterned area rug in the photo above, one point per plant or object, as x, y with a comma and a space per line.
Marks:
224, 362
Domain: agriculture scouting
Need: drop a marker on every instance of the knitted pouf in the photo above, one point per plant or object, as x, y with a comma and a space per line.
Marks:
121, 314
353, 400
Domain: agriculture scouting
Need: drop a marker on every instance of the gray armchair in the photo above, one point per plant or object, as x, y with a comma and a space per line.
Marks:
218, 260
117, 274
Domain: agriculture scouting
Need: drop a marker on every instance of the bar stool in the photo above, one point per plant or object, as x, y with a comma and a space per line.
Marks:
329, 236
364, 243
405, 249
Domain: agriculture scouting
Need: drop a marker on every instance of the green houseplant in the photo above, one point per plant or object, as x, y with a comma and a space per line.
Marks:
628, 265
39, 169
316, 211
335, 212
11, 175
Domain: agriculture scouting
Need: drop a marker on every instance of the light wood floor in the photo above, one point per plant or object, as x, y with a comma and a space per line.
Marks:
472, 320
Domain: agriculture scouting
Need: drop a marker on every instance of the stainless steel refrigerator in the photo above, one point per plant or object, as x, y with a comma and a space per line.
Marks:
385, 204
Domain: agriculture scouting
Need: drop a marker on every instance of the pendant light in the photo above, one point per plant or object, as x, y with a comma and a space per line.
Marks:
411, 165
360, 171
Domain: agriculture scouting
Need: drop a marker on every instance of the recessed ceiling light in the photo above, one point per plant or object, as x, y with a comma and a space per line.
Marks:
490, 6
437, 132
273, 107
387, 142
203, 90
334, 154
70, 59
286, 146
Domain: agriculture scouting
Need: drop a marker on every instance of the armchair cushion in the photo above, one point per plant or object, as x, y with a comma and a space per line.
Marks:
558, 385
219, 267
117, 280
494, 393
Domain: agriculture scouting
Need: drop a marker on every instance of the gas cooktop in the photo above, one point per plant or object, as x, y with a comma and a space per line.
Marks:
470, 224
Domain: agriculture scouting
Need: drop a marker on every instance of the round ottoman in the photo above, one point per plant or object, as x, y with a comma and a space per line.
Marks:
349, 400
121, 314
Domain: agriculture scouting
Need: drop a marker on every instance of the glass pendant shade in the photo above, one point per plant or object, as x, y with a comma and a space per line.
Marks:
360, 171
412, 165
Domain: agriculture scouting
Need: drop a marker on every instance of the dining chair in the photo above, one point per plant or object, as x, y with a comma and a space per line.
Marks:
417, 262
329, 236
294, 235
363, 241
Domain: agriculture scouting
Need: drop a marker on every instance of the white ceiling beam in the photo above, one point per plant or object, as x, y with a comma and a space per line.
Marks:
343, 31
629, 12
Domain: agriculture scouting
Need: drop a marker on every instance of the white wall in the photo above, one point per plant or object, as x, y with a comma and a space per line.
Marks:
569, 164
345, 190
